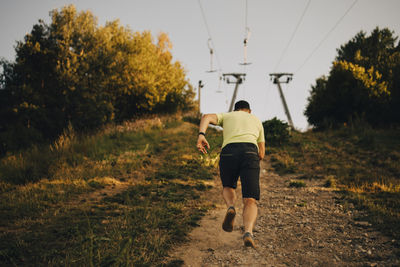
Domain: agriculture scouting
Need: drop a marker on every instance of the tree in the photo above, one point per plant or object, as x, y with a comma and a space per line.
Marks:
74, 71
361, 83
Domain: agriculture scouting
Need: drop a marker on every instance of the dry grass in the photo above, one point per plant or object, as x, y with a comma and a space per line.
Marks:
363, 163
121, 196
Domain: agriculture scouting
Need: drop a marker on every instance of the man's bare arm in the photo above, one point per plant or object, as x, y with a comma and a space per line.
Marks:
206, 119
202, 143
261, 150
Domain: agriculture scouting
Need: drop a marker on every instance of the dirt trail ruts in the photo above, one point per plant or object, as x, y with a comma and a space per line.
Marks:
295, 227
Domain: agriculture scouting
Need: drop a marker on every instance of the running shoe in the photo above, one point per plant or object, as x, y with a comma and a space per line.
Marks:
248, 240
227, 225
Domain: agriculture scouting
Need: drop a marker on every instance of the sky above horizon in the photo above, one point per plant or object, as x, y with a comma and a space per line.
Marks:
309, 46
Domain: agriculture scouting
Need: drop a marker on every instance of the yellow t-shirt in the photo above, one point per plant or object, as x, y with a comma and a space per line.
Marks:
241, 127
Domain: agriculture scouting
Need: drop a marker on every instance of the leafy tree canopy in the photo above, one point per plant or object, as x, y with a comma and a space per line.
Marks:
75, 71
363, 83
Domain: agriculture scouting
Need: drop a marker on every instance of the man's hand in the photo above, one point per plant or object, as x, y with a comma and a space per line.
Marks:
202, 144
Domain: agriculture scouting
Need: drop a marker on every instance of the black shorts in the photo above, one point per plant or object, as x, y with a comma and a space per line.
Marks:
241, 159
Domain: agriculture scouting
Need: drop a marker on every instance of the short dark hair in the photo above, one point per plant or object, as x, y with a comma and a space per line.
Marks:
242, 105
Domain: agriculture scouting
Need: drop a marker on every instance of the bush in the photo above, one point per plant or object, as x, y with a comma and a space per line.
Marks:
297, 184
330, 181
276, 132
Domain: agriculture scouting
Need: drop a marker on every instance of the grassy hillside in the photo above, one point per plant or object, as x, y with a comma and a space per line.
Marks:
363, 163
118, 197
125, 195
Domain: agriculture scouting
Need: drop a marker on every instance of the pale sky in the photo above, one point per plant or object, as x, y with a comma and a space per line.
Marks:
271, 22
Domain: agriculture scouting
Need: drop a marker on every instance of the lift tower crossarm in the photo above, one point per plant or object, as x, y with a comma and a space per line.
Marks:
276, 79
278, 75
239, 79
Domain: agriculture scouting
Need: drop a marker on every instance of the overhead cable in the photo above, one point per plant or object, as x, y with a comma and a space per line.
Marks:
246, 29
209, 35
326, 36
292, 37
247, 34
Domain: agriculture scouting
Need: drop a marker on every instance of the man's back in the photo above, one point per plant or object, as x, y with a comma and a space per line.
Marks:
241, 127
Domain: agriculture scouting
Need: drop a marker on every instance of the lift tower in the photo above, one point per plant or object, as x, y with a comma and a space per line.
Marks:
239, 79
276, 79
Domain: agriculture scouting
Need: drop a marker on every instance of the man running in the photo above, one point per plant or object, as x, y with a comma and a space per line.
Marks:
242, 149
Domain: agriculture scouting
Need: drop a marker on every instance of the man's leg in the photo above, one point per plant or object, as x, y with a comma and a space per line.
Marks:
249, 214
250, 177
229, 195
229, 172
249, 219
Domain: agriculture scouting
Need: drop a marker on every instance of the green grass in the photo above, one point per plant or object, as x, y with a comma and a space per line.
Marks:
330, 182
364, 164
48, 214
297, 184
283, 162
302, 204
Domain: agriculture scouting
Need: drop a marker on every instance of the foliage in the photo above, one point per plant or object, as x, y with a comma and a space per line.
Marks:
361, 85
282, 162
297, 184
276, 132
192, 118
75, 71
330, 182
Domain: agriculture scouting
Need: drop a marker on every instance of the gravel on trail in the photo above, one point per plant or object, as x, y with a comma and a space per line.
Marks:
304, 226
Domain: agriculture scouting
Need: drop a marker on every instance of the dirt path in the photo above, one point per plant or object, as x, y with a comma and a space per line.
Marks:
295, 227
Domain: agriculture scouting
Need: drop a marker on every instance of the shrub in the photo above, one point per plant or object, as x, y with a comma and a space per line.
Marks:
297, 184
276, 132
330, 181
